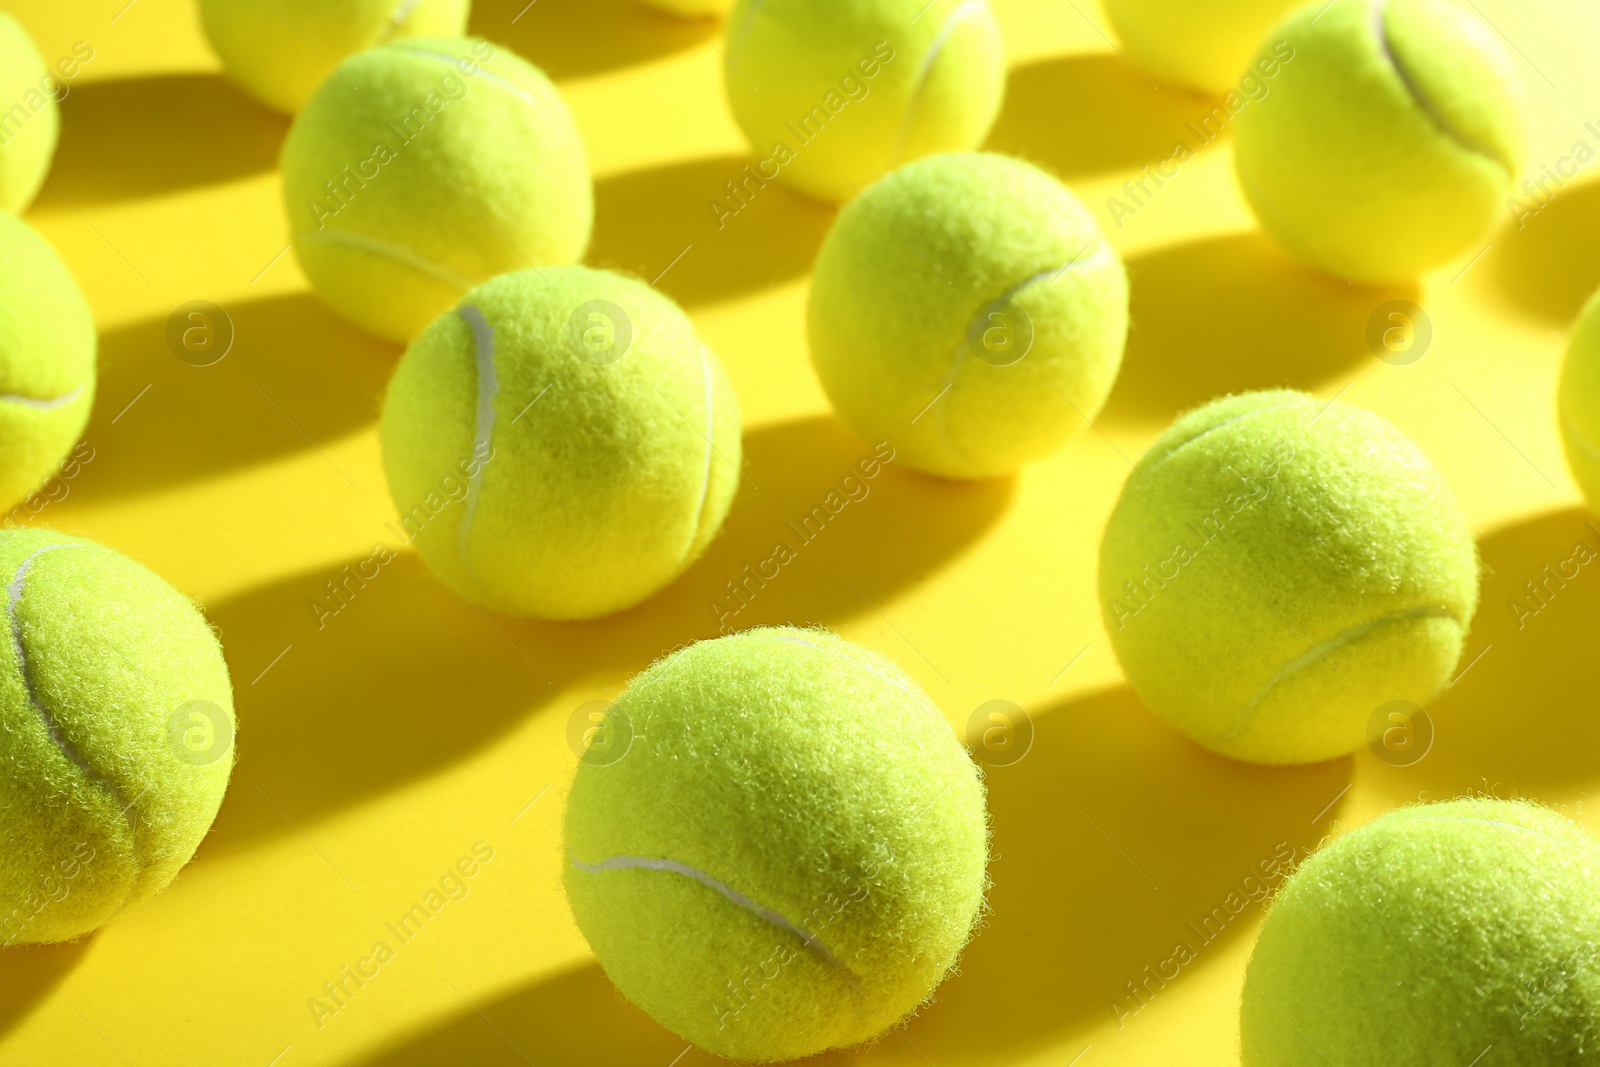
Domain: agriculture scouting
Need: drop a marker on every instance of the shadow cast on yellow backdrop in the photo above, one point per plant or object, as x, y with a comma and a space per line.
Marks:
128, 138
1231, 313
296, 375
1084, 115
646, 219
1548, 264
568, 40
27, 975
398, 676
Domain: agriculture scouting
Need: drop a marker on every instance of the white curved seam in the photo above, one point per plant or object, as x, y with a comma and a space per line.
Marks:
847, 659
926, 69
1225, 422
1319, 653
45, 404
482, 72
393, 251
620, 863
1381, 30
705, 485
483, 425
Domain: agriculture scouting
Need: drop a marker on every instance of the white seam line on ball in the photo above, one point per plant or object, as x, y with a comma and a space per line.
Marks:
698, 522
924, 71
482, 72
396, 252
1225, 422
1317, 653
847, 659
42, 404
620, 863
1380, 29
483, 424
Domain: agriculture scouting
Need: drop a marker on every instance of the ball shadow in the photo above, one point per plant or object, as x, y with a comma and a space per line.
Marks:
296, 373
1115, 839
1090, 114
1231, 313
407, 677
660, 224
27, 973
1521, 720
125, 138
568, 40
1549, 264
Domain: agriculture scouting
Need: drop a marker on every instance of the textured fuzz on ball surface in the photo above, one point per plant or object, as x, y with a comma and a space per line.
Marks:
1387, 143
968, 310
832, 95
790, 856
105, 789
32, 118
541, 476
1429, 936
426, 167
47, 360
1194, 44
1278, 567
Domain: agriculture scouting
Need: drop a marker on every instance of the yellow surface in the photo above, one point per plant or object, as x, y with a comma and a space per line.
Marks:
377, 750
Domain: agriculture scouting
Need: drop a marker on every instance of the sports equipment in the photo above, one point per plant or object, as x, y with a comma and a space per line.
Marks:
30, 120
833, 95
1279, 567
1579, 401
790, 854
967, 310
279, 51
1194, 44
1389, 140
47, 354
117, 735
561, 444
426, 167
1429, 935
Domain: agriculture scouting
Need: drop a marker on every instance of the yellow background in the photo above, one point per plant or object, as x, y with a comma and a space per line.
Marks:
374, 752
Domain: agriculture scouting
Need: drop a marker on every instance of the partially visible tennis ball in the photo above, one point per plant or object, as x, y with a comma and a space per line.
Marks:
116, 734
833, 95
968, 310
1277, 568
692, 8
561, 444
1389, 140
426, 167
279, 51
1453, 933
30, 120
1194, 44
47, 353
1578, 401
787, 854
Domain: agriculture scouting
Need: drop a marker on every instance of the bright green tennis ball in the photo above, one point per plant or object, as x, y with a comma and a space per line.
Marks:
116, 734
1277, 568
780, 847
47, 352
1389, 140
561, 444
1194, 44
1579, 401
30, 121
968, 310
832, 95
426, 167
1455, 933
279, 51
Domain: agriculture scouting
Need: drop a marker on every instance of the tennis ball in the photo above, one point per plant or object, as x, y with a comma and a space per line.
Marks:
561, 445
279, 51
1194, 44
47, 353
1579, 401
787, 854
1277, 568
425, 167
1430, 936
968, 310
833, 95
116, 735
1389, 140
30, 120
